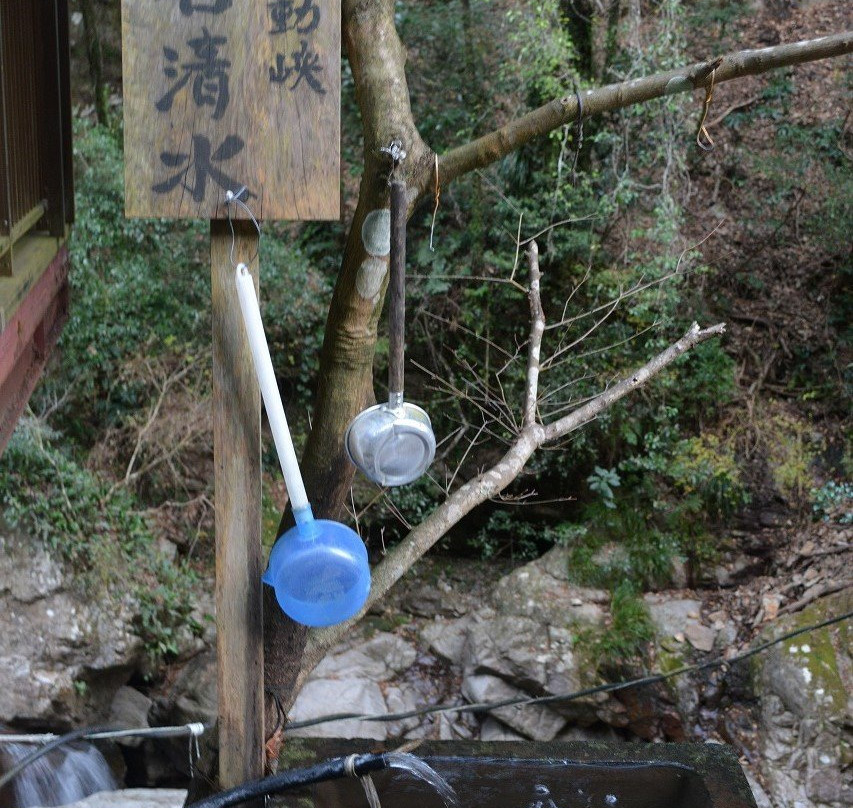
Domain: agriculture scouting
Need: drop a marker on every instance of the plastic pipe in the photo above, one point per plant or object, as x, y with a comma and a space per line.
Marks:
269, 389
334, 769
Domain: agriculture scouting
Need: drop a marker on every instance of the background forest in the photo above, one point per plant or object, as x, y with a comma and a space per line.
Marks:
697, 482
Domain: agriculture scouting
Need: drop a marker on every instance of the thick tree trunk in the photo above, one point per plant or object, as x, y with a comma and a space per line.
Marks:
377, 58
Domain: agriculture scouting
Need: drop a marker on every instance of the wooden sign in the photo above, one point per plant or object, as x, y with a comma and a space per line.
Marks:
220, 94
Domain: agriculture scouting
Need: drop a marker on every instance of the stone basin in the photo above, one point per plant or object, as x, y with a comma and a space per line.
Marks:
510, 774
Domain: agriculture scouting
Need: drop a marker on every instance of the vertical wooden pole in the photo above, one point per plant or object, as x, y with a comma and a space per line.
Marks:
237, 460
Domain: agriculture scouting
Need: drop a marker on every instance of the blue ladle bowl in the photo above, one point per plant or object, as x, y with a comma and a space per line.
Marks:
319, 571
318, 568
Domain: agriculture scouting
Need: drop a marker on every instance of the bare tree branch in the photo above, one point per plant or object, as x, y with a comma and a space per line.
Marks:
497, 144
537, 328
492, 482
592, 409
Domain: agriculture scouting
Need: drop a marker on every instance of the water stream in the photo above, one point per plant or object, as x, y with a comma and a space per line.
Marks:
64, 775
422, 771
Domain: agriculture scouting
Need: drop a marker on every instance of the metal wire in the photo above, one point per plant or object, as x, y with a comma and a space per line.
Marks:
233, 198
193, 730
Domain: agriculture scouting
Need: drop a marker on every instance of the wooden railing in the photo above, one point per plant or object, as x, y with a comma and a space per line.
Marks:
36, 195
34, 123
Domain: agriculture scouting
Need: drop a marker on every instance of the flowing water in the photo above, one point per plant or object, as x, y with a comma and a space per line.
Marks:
514, 783
422, 771
64, 775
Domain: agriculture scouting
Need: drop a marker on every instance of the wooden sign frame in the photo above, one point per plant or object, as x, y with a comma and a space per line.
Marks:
220, 94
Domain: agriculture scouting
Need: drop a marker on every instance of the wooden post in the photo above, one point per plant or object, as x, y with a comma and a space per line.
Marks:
221, 96
237, 483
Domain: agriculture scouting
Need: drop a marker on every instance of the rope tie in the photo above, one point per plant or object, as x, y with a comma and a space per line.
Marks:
435, 209
703, 140
349, 765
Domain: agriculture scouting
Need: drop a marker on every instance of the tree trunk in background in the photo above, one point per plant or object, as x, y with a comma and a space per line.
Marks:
96, 62
345, 385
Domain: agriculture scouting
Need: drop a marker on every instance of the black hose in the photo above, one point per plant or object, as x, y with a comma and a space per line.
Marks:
74, 735
334, 769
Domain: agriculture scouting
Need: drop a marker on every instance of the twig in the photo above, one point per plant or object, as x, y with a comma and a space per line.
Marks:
489, 483
813, 595
537, 328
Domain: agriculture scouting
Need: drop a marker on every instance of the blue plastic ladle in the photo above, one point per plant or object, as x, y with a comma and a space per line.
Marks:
318, 568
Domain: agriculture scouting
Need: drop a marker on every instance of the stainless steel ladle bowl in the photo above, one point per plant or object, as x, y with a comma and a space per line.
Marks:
393, 443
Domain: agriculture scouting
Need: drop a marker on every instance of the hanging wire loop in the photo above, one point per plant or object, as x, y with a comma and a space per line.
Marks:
234, 198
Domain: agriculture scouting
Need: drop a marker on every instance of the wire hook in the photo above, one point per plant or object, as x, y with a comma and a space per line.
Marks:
396, 153
233, 198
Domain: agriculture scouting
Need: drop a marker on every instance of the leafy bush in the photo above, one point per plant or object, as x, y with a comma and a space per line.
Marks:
618, 546
833, 501
626, 637
505, 535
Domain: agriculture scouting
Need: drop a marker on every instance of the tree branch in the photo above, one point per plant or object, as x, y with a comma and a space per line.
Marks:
590, 410
489, 484
537, 329
497, 144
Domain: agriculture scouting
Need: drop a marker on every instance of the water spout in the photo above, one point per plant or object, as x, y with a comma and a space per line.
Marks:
417, 768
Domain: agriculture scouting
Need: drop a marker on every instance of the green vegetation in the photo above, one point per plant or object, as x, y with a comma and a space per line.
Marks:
642, 490
624, 641
101, 534
833, 501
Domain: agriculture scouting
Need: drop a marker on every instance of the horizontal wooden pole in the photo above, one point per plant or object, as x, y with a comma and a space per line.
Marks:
20, 228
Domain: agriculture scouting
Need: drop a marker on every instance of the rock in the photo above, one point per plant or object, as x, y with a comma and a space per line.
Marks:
446, 638
493, 730
379, 658
513, 648
193, 696
322, 696
62, 655
541, 592
403, 700
129, 710
596, 732
534, 721
427, 600
671, 616
805, 687
700, 637
762, 800
134, 798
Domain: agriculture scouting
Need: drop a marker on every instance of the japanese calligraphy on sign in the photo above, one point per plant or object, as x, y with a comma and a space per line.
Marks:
220, 95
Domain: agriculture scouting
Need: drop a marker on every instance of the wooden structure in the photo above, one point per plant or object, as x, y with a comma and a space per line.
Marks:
36, 194
220, 96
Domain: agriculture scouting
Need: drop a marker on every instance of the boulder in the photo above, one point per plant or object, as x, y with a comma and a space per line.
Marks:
534, 721
134, 798
360, 677
493, 730
541, 591
805, 686
62, 655
192, 697
129, 710
379, 658
356, 695
446, 638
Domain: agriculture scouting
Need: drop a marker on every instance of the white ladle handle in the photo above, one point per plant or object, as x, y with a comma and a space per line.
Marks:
269, 388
